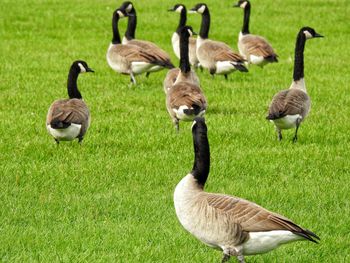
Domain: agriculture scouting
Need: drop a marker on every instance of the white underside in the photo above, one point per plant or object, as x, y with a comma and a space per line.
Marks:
125, 41
155, 68
262, 242
257, 60
67, 134
140, 67
184, 117
224, 67
287, 122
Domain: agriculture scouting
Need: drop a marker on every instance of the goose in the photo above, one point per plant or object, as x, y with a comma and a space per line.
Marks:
236, 226
290, 107
185, 99
216, 56
175, 40
147, 46
172, 74
128, 59
255, 49
68, 119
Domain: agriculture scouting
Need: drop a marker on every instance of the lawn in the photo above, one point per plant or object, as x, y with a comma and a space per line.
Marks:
110, 199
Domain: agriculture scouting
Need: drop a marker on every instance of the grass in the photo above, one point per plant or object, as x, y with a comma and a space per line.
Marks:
110, 200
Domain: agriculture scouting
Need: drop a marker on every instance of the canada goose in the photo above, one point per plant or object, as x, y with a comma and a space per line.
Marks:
175, 40
185, 99
290, 107
216, 56
172, 74
236, 226
128, 59
147, 46
255, 49
68, 119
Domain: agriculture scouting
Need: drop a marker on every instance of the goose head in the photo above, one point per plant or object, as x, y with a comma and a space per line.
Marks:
177, 8
128, 7
309, 32
186, 31
81, 66
242, 4
199, 8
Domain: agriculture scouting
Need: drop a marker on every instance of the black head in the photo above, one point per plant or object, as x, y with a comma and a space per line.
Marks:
120, 13
81, 66
199, 125
177, 8
242, 4
186, 31
309, 32
128, 7
199, 8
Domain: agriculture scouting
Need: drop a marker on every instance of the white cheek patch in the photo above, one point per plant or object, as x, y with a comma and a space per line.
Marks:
82, 69
120, 13
190, 32
129, 7
179, 9
243, 5
307, 34
201, 9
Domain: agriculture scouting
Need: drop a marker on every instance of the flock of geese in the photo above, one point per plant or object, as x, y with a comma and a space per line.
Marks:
236, 226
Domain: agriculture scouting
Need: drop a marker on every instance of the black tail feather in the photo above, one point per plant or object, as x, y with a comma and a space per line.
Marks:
275, 115
307, 234
240, 67
271, 58
195, 111
57, 124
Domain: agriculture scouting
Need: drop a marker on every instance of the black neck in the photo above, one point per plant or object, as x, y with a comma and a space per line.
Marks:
116, 36
185, 66
201, 164
72, 86
299, 57
205, 25
132, 22
245, 28
183, 18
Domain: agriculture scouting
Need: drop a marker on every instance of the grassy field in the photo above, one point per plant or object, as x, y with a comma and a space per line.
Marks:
110, 200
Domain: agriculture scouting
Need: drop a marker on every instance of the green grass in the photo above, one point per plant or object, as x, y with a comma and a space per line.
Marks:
110, 200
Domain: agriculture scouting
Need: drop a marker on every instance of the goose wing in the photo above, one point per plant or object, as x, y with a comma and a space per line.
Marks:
221, 52
258, 46
154, 50
289, 102
185, 93
131, 53
252, 217
68, 111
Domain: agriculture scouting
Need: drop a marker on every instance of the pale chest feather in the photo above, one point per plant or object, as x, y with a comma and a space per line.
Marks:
175, 41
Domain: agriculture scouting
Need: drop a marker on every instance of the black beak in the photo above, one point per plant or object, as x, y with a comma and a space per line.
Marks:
194, 33
192, 10
89, 70
171, 10
129, 14
236, 5
318, 35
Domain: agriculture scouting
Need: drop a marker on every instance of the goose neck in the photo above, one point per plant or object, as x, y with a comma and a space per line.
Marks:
72, 86
246, 17
116, 35
201, 164
185, 66
298, 72
183, 18
205, 24
131, 28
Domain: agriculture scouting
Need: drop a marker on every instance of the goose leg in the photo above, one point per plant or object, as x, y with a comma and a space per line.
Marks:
147, 74
279, 133
176, 123
132, 78
225, 258
80, 139
57, 141
296, 130
225, 76
240, 258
